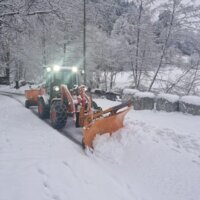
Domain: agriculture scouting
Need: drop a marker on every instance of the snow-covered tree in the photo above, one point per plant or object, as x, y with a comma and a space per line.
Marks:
175, 16
135, 32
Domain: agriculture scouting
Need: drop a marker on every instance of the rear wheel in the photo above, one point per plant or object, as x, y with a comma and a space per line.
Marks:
27, 104
43, 109
58, 115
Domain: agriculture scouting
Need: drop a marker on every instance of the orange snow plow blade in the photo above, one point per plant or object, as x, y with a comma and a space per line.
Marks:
105, 124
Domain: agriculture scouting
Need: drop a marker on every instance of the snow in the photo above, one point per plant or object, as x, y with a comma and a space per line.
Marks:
37, 162
155, 156
129, 91
10, 88
195, 100
169, 97
169, 74
123, 80
104, 103
144, 94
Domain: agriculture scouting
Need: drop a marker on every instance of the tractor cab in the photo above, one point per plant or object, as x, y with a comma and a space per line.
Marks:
56, 76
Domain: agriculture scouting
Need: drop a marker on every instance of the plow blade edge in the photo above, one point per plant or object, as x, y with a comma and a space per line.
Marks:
108, 124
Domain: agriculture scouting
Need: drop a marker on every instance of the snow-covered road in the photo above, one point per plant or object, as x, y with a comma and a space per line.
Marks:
155, 156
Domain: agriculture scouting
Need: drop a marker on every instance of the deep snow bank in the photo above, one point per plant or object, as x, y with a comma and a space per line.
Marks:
156, 152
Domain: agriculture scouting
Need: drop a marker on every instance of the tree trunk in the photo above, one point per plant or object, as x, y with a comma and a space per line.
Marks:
194, 77
137, 44
164, 46
106, 80
112, 79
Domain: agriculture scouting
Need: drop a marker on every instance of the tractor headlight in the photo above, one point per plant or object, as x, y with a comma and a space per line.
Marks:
48, 69
56, 68
74, 69
56, 88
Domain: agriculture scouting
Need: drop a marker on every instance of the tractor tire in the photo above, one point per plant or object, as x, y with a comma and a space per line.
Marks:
58, 115
27, 104
43, 110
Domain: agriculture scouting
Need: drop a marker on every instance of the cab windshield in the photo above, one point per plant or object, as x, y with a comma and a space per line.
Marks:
66, 77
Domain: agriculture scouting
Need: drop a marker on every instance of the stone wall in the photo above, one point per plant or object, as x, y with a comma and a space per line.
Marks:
190, 104
163, 102
143, 101
167, 102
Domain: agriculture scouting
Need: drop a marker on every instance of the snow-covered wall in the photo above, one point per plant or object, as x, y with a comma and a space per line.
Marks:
190, 104
143, 101
165, 102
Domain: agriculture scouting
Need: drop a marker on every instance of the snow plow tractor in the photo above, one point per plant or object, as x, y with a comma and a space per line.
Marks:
63, 96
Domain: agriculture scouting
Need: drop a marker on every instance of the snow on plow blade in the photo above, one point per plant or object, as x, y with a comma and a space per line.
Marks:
105, 124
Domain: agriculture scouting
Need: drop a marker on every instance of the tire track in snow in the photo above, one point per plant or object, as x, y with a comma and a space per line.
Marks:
64, 132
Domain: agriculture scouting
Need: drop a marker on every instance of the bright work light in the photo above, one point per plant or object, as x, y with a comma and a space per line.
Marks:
74, 69
48, 69
56, 88
56, 68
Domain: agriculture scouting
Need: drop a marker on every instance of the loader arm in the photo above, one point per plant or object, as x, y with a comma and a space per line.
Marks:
66, 95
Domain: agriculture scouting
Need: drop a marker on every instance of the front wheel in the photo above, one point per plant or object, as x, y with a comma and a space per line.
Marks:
58, 115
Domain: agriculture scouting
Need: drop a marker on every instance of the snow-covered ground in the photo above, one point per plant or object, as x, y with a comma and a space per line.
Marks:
166, 77
10, 88
155, 156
